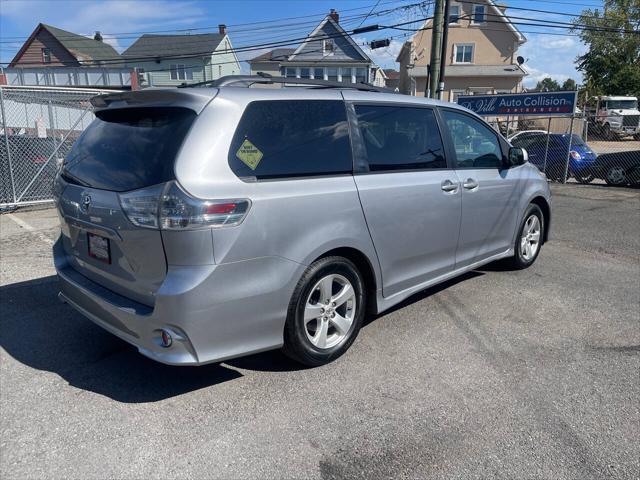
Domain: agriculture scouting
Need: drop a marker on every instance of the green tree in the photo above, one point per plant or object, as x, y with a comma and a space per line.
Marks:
612, 64
547, 84
569, 85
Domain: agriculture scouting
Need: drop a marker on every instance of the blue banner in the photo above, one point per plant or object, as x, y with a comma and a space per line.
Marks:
545, 103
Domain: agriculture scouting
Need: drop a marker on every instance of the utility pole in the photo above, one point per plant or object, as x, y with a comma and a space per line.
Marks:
436, 46
443, 54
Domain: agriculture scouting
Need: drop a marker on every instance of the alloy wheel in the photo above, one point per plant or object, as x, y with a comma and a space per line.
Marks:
530, 240
329, 311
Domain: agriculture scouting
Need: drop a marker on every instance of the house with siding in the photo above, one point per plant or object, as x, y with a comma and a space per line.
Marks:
327, 53
49, 46
170, 60
480, 56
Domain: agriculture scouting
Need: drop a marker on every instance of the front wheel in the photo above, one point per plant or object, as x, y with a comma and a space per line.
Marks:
529, 238
615, 175
325, 313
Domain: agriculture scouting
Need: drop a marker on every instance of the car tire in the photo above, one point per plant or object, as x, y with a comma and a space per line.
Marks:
325, 313
615, 175
532, 226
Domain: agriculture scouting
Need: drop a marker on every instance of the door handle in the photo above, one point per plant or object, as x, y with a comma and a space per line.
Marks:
448, 186
470, 184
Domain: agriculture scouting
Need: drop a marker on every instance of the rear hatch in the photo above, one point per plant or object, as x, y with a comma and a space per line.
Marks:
124, 149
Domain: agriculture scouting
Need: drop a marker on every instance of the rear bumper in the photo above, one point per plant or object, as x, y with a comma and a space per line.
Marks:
214, 312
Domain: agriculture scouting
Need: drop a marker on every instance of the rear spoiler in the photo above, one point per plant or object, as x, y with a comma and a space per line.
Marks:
195, 99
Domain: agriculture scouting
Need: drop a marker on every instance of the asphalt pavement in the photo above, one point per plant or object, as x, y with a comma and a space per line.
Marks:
498, 374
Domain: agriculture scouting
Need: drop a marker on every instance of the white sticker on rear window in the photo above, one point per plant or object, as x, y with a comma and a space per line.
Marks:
249, 154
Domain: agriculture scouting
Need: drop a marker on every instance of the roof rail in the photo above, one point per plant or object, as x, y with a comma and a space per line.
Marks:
264, 78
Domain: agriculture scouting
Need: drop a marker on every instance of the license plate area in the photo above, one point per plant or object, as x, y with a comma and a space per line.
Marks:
99, 247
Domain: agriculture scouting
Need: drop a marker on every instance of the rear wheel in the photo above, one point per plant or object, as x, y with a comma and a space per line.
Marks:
529, 238
325, 313
615, 175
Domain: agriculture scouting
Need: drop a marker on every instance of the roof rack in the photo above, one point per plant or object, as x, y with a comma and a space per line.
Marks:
264, 78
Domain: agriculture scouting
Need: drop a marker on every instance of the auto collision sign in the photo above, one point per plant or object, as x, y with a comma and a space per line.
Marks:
547, 103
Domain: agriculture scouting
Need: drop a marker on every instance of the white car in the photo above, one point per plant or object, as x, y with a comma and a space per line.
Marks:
524, 133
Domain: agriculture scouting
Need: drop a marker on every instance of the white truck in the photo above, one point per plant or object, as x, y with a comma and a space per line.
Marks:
615, 116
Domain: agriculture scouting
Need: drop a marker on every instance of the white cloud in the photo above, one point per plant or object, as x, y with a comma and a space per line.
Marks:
551, 56
383, 57
119, 16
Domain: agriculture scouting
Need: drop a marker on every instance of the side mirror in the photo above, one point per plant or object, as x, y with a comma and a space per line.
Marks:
517, 156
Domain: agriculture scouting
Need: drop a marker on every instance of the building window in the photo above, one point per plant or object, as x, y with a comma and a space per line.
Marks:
180, 72
361, 75
463, 53
327, 46
454, 14
346, 75
290, 72
318, 73
478, 14
332, 74
46, 55
219, 71
305, 72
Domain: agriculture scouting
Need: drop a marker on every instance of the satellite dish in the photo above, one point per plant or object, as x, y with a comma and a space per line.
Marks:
520, 60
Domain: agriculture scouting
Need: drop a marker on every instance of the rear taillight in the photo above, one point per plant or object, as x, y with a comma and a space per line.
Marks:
168, 207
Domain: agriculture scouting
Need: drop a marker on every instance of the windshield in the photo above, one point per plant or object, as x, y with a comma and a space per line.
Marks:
576, 140
622, 104
127, 149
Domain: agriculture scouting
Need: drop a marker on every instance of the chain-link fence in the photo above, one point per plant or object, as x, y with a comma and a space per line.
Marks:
38, 126
581, 149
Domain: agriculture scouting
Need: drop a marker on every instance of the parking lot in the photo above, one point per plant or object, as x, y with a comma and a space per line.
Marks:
529, 374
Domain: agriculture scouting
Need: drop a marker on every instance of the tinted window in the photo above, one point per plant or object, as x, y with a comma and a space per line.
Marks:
129, 148
291, 138
400, 138
476, 144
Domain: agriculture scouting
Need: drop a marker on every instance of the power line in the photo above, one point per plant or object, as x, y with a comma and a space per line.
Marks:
550, 24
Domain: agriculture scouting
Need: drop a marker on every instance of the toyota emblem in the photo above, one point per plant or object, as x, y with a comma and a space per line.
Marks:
86, 202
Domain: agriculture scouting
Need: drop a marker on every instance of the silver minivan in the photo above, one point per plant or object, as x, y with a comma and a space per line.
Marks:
200, 224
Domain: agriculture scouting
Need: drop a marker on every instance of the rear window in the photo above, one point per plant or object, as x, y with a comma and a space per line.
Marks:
291, 138
128, 149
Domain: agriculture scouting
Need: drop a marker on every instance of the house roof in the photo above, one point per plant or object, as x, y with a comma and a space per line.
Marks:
153, 46
316, 35
275, 55
81, 47
391, 73
473, 71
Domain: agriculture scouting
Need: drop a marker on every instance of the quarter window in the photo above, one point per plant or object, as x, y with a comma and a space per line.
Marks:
476, 145
400, 138
292, 138
464, 53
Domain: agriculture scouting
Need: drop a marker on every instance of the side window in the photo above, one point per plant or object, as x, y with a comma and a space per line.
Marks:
476, 145
291, 138
400, 138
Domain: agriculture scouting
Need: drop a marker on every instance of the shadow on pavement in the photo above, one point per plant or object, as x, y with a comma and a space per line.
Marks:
42, 333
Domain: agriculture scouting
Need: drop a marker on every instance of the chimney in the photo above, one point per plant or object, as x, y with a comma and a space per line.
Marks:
98, 36
502, 6
333, 14
222, 29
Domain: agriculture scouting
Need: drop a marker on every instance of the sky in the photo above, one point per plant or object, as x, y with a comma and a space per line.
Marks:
548, 52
